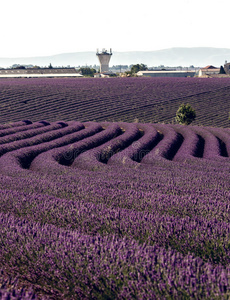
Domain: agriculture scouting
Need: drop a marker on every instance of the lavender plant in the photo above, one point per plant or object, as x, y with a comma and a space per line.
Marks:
102, 210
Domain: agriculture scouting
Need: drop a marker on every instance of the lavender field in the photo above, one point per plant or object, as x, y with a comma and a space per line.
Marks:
150, 100
114, 210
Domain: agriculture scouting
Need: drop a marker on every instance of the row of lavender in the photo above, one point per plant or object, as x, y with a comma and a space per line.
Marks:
118, 234
151, 221
115, 99
66, 263
96, 145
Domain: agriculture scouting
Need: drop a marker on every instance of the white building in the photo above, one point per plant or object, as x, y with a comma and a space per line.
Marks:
40, 72
208, 70
166, 73
227, 68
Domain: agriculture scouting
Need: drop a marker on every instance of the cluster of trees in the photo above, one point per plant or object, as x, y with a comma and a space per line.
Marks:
86, 71
136, 68
20, 67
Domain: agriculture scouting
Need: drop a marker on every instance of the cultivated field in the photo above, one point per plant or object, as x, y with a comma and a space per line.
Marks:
114, 99
113, 210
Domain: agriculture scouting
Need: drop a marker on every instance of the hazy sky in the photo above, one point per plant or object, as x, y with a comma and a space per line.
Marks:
46, 27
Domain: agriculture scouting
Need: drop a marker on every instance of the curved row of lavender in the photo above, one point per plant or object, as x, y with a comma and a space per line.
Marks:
114, 211
114, 99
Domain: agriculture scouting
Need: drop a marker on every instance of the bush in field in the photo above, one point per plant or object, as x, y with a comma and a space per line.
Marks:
185, 114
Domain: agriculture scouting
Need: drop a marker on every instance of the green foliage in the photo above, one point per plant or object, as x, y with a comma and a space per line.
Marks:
128, 73
113, 75
222, 71
185, 114
20, 67
138, 67
86, 71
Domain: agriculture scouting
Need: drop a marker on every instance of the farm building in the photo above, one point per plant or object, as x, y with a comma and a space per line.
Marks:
166, 73
227, 68
208, 70
40, 72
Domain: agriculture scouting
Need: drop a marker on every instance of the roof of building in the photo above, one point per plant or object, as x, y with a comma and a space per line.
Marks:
209, 67
39, 72
163, 71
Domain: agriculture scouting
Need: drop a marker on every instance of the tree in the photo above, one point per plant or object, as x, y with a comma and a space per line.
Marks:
20, 67
50, 66
138, 67
222, 71
86, 71
185, 114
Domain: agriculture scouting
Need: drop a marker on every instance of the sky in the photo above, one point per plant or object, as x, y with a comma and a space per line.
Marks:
48, 27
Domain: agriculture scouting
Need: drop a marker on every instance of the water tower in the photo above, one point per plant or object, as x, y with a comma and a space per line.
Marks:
104, 58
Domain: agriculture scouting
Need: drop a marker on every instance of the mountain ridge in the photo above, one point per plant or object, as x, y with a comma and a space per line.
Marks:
172, 57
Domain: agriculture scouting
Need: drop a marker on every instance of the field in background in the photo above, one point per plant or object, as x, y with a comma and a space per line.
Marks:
114, 99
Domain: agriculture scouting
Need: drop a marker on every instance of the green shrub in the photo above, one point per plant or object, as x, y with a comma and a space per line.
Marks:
185, 114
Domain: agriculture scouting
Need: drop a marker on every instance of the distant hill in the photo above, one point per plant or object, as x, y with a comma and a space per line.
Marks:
199, 57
